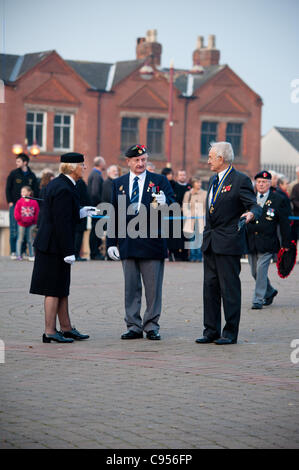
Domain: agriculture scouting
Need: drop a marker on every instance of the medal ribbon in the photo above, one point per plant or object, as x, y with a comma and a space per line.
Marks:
220, 184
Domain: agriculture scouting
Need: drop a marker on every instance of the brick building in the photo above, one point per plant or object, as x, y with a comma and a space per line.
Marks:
100, 109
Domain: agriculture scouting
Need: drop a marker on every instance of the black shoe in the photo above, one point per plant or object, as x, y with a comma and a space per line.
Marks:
81, 259
132, 335
98, 257
74, 334
221, 341
58, 337
204, 340
153, 334
256, 306
269, 300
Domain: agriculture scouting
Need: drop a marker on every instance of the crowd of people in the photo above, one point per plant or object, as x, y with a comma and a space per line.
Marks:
211, 231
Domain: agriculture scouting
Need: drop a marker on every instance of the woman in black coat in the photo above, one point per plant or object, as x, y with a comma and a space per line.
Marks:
54, 248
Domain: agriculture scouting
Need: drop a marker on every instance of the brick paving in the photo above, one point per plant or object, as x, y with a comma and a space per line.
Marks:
106, 393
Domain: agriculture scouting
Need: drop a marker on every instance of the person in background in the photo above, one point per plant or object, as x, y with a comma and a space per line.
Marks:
194, 204
95, 187
150, 167
173, 244
46, 176
263, 238
21, 176
182, 186
295, 181
112, 173
274, 179
295, 204
82, 225
26, 214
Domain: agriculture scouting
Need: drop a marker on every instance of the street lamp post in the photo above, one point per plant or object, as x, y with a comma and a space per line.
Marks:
33, 149
170, 113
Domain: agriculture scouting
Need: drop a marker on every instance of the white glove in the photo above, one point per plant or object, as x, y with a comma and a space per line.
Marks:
160, 198
69, 259
87, 211
113, 253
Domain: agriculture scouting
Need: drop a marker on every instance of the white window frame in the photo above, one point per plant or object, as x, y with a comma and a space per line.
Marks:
71, 147
43, 147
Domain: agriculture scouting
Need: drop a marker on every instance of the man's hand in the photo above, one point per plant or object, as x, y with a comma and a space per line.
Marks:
87, 211
160, 198
69, 259
113, 253
249, 216
10, 204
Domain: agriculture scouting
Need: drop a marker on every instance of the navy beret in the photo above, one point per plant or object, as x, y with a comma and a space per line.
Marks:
135, 151
72, 157
264, 175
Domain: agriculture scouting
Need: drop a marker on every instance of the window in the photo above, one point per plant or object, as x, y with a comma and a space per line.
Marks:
234, 136
36, 128
155, 133
129, 132
208, 135
63, 131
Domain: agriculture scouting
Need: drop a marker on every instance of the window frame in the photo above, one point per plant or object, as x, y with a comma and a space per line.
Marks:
127, 143
61, 126
43, 144
155, 132
207, 133
234, 134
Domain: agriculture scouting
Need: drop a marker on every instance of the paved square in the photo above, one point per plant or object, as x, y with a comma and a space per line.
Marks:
174, 394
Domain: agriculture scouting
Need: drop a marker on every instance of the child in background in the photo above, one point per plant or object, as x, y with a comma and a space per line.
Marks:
26, 214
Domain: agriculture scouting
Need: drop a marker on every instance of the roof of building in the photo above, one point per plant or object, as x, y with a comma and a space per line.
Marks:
291, 134
103, 76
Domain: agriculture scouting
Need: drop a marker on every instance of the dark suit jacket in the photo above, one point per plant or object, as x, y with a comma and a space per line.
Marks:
95, 186
61, 213
145, 248
262, 235
221, 230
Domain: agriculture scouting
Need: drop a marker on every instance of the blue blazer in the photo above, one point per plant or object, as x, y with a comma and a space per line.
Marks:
147, 247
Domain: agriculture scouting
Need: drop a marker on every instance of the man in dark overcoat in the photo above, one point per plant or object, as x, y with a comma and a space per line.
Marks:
263, 241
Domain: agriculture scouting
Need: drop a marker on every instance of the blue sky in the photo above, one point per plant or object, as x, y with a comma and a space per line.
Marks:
258, 39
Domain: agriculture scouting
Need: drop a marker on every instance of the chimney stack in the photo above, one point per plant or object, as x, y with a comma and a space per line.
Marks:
149, 48
206, 56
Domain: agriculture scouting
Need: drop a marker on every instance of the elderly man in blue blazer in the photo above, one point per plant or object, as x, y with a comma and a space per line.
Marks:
142, 253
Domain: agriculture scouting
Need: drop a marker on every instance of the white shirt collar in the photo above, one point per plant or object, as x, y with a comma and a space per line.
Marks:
265, 195
141, 176
222, 173
72, 179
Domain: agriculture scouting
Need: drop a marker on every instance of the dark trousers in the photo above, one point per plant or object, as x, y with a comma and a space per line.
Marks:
221, 281
78, 242
94, 241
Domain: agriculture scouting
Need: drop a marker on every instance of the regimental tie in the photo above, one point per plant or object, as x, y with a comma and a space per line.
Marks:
135, 194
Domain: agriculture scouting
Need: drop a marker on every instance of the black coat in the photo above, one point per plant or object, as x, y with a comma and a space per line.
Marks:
84, 201
95, 186
60, 214
144, 248
16, 180
262, 235
221, 230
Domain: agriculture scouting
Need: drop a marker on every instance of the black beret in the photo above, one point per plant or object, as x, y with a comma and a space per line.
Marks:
135, 151
264, 175
72, 157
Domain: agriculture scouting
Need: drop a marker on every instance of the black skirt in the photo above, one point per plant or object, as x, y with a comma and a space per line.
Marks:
51, 276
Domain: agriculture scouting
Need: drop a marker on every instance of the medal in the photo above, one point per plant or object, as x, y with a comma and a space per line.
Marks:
212, 209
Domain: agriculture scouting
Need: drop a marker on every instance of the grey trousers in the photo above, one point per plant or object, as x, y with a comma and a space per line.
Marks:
151, 272
259, 263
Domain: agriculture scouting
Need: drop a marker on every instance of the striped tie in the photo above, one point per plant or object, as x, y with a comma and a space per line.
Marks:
135, 194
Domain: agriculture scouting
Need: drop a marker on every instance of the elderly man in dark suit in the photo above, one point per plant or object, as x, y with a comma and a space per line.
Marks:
55, 248
142, 256
230, 197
